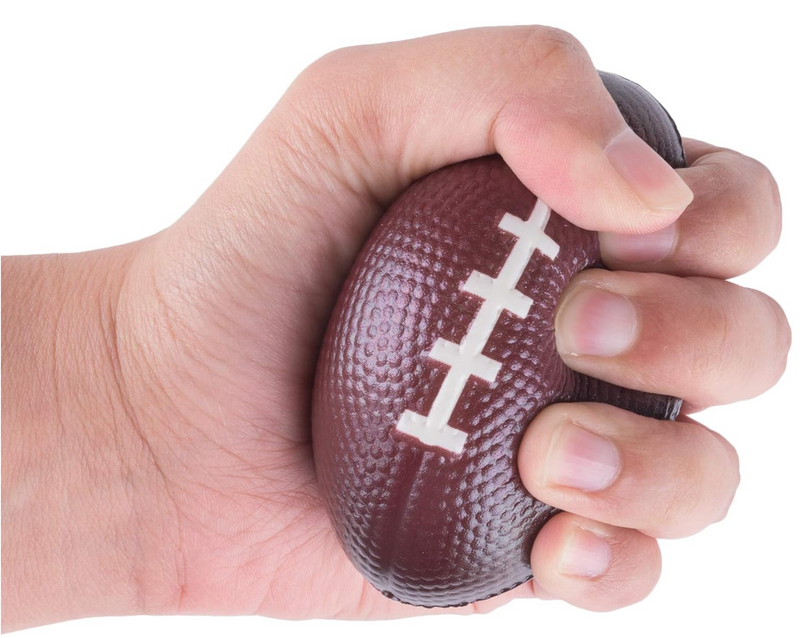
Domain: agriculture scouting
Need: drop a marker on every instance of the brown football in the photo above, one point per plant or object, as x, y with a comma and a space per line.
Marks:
440, 351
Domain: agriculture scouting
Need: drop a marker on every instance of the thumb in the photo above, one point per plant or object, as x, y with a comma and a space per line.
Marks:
361, 124
367, 121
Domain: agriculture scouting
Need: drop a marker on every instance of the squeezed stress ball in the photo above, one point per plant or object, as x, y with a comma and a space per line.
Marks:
439, 352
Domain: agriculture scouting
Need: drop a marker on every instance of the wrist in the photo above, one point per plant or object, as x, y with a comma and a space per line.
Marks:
77, 477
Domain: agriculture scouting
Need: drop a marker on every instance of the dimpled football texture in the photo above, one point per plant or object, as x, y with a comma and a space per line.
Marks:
439, 352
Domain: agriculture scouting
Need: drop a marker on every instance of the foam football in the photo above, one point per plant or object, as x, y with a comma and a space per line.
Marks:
439, 352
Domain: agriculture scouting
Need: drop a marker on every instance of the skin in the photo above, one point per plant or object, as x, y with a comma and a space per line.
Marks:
156, 396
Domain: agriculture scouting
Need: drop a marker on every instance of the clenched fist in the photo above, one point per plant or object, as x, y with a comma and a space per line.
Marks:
156, 396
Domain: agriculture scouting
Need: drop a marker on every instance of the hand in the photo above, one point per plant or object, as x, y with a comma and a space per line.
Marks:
169, 401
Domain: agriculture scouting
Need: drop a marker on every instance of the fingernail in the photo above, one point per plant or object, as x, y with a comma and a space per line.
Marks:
595, 322
582, 459
638, 249
653, 180
584, 554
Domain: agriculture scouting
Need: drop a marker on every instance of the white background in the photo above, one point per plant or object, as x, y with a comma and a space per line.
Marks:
115, 117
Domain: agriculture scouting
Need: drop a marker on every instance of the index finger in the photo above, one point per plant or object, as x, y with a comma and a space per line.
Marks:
732, 224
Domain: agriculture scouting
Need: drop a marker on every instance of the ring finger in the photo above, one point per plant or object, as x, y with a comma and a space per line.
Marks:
705, 340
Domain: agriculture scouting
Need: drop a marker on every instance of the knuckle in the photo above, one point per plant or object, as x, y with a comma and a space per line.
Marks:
767, 185
782, 335
747, 191
677, 497
550, 50
733, 483
330, 63
337, 81
722, 471
709, 354
724, 325
680, 503
705, 477
333, 119
766, 203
